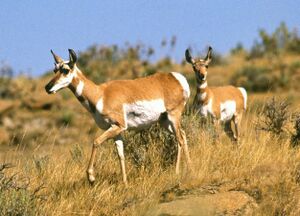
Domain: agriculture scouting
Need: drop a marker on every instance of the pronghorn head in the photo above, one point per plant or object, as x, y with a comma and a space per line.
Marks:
64, 72
199, 65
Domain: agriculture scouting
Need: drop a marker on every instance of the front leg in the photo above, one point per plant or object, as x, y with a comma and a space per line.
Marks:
195, 105
113, 131
120, 148
217, 128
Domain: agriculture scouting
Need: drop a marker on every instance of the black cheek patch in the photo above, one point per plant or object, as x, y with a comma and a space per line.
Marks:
92, 107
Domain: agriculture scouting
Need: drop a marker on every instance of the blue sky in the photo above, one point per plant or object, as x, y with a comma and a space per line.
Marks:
29, 29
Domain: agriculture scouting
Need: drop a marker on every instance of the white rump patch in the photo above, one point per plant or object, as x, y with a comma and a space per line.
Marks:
228, 108
143, 113
184, 84
244, 93
79, 88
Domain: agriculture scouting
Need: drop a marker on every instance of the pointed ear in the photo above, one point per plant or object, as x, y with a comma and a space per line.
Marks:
189, 57
209, 55
57, 59
72, 56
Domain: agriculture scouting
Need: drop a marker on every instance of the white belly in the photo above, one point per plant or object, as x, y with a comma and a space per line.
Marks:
141, 114
228, 109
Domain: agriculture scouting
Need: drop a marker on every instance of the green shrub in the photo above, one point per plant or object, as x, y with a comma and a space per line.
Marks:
6, 74
255, 79
294, 66
295, 138
41, 164
16, 198
275, 116
139, 145
66, 118
77, 154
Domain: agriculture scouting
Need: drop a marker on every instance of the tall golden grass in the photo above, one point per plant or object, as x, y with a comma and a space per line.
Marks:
263, 165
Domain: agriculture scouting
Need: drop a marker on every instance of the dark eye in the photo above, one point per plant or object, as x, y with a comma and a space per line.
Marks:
206, 66
64, 71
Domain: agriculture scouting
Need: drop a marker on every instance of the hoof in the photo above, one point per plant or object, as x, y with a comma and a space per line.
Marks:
91, 179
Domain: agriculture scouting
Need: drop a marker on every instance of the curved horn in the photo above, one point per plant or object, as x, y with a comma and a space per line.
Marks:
56, 57
189, 57
208, 56
72, 56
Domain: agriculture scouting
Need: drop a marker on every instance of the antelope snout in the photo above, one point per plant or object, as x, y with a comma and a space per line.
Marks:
201, 76
48, 88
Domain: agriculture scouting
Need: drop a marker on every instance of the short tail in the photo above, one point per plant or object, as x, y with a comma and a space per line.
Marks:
184, 84
244, 93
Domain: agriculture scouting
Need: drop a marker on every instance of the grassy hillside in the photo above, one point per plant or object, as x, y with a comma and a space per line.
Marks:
45, 141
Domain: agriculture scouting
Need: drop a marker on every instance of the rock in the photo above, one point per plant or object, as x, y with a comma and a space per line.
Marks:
4, 136
8, 123
40, 100
6, 105
230, 203
30, 130
37, 125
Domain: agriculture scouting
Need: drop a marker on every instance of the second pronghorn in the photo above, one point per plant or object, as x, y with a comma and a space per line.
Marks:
225, 103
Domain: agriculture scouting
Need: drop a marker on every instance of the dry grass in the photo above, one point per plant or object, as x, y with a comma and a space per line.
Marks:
262, 164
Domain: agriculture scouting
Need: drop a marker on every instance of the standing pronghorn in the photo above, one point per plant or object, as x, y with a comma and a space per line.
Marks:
126, 104
225, 103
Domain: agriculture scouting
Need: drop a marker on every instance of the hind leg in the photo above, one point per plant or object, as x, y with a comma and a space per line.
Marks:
172, 123
166, 123
228, 130
237, 122
169, 125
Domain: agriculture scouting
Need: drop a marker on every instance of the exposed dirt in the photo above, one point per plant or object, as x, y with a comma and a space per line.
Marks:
221, 203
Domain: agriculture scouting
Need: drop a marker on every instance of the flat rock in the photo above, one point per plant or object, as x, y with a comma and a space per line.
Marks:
6, 105
40, 100
225, 203
4, 136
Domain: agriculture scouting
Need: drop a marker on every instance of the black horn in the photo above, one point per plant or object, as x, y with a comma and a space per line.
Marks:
189, 57
72, 56
209, 55
56, 58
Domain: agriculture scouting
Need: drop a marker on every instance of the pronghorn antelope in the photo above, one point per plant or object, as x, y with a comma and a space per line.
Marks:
224, 104
126, 104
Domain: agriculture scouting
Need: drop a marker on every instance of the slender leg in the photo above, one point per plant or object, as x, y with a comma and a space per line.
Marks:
178, 159
113, 131
120, 149
185, 149
182, 143
228, 130
166, 123
237, 120
217, 129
